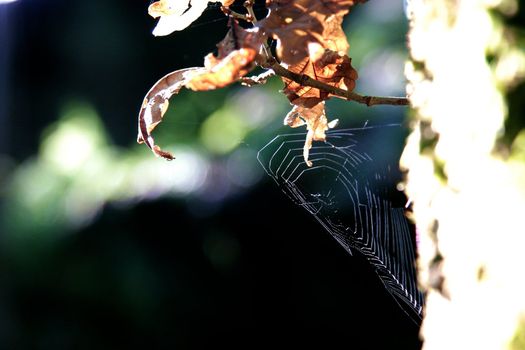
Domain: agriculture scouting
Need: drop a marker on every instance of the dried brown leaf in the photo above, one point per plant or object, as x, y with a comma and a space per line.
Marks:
311, 42
330, 68
155, 105
178, 14
298, 23
236, 55
222, 72
236, 58
316, 124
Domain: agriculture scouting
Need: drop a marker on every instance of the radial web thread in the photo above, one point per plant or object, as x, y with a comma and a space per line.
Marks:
351, 191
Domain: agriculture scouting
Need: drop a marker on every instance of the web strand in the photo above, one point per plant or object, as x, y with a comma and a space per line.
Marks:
350, 190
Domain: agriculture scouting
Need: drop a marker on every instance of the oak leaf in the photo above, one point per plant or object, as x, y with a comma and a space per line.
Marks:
330, 68
236, 58
222, 72
316, 123
177, 15
155, 105
236, 55
311, 41
296, 24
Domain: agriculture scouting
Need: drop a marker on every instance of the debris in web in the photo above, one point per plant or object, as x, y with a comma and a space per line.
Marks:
351, 190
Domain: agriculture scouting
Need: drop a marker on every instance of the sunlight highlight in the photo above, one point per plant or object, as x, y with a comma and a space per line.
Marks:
223, 131
78, 171
73, 142
468, 199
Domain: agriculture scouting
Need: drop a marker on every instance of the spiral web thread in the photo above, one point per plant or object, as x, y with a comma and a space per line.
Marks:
350, 190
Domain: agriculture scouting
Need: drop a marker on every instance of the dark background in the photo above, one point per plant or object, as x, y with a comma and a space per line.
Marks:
170, 270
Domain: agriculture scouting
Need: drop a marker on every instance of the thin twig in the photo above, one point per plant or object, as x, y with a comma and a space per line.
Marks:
248, 4
305, 80
236, 15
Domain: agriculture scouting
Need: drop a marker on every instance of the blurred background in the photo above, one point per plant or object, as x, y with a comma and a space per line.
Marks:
103, 245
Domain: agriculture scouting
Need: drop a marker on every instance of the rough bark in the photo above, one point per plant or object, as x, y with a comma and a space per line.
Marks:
467, 186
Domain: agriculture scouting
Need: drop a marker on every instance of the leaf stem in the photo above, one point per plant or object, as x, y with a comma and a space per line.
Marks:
248, 4
234, 14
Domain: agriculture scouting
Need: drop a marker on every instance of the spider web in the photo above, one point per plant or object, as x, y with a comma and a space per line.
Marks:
351, 191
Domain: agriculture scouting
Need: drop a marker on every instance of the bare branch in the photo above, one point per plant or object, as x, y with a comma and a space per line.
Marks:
234, 14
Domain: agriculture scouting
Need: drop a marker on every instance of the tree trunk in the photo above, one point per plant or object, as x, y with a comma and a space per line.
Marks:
466, 172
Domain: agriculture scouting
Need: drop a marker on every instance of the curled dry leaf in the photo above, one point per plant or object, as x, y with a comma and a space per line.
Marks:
236, 58
236, 55
178, 14
222, 72
316, 124
155, 105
